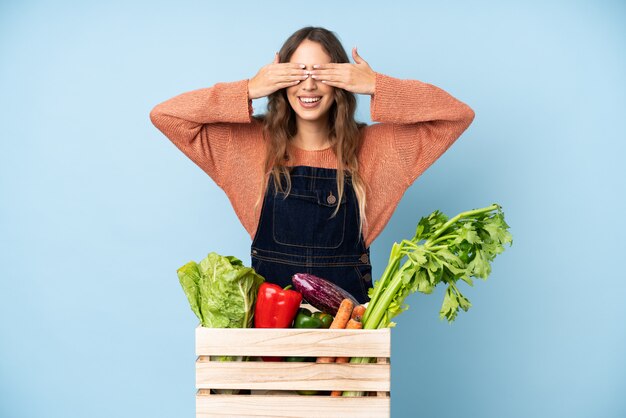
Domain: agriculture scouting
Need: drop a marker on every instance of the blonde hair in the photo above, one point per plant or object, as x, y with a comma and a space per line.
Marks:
279, 124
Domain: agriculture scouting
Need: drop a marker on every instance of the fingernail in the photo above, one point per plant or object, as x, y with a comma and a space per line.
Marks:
316, 66
302, 66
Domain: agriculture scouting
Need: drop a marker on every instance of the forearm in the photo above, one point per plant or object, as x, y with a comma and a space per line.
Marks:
413, 101
200, 122
223, 102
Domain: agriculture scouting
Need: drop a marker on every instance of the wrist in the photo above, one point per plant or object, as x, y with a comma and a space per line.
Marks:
251, 91
372, 88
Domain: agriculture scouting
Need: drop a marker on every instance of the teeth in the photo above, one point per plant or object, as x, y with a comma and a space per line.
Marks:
310, 99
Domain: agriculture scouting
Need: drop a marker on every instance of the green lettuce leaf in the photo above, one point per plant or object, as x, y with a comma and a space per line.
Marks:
189, 277
221, 291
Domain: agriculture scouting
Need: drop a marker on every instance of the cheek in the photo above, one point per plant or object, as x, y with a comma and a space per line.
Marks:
290, 92
291, 96
331, 98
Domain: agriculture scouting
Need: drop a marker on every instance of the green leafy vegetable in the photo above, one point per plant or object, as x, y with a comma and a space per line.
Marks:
221, 291
441, 251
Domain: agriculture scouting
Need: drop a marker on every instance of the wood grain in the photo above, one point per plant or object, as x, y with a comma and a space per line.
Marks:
291, 406
291, 376
293, 342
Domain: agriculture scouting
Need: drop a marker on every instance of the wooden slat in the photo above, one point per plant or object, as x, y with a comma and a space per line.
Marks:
291, 406
292, 376
293, 342
384, 360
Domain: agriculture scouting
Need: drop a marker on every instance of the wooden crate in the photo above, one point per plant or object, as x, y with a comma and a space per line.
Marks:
277, 381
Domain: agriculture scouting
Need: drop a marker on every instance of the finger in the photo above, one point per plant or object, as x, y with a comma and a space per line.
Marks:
338, 69
329, 72
337, 84
276, 60
290, 72
328, 77
327, 66
356, 57
290, 78
291, 66
284, 84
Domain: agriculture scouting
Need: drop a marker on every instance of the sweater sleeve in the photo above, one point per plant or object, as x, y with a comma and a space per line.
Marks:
425, 120
200, 123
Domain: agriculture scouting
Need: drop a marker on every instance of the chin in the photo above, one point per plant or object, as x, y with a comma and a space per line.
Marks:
310, 116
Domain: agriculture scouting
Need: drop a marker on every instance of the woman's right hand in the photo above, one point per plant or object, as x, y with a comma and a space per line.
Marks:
274, 77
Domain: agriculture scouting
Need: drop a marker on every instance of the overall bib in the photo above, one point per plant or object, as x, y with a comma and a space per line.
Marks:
296, 234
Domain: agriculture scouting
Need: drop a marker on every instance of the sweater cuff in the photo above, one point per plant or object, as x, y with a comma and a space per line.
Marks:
384, 97
234, 96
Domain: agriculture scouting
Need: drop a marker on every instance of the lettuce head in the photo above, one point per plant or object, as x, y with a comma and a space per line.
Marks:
221, 291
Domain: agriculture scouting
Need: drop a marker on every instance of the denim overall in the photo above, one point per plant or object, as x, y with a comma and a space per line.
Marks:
297, 235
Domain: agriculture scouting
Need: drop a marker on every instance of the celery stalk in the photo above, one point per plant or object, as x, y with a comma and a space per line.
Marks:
441, 251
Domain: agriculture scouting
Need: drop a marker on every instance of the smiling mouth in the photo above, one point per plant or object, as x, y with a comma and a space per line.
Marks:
309, 102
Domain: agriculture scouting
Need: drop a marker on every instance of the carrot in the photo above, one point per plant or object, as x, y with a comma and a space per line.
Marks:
352, 324
343, 314
340, 322
358, 312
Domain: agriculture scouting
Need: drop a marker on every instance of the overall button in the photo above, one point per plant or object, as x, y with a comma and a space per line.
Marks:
331, 199
364, 259
367, 277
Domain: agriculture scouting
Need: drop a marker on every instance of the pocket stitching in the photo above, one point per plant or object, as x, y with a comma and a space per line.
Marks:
343, 211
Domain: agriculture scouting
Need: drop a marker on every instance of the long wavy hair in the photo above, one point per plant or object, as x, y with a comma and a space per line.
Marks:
279, 124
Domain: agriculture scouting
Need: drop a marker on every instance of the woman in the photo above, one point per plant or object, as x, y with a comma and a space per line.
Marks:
312, 186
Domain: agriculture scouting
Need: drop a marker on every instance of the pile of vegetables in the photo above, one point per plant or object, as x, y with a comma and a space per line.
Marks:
223, 293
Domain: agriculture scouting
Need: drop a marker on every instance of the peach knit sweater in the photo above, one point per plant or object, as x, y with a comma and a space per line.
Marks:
214, 128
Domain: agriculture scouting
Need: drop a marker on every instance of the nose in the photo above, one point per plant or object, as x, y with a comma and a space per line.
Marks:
309, 83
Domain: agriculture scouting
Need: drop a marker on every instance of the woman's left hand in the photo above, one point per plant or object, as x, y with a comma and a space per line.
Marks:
356, 78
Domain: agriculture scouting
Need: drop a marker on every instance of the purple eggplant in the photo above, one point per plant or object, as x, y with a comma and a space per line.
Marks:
321, 293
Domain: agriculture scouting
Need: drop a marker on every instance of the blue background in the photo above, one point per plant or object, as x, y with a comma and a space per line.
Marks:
98, 209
